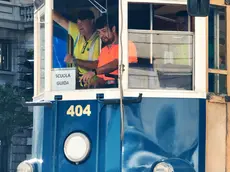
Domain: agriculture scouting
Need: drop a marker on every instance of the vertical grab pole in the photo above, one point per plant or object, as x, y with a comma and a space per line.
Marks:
151, 36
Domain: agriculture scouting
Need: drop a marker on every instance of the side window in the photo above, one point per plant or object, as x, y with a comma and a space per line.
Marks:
5, 55
217, 60
164, 40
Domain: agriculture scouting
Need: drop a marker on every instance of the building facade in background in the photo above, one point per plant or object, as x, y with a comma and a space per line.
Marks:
16, 38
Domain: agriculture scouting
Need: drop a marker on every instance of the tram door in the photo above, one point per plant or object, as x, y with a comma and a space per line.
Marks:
218, 113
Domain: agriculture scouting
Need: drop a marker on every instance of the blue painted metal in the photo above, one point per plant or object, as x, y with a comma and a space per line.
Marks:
163, 128
60, 37
156, 129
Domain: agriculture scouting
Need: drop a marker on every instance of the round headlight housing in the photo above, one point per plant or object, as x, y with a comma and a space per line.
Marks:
163, 167
77, 147
25, 167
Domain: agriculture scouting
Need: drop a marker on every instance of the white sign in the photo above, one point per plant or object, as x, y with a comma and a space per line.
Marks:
64, 79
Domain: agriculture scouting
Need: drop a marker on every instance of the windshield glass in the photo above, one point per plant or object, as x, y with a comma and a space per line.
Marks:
85, 45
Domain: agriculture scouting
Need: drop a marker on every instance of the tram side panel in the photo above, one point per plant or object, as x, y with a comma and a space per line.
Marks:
43, 134
170, 129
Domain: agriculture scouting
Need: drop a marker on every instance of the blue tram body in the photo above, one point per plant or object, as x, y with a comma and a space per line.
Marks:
156, 129
164, 131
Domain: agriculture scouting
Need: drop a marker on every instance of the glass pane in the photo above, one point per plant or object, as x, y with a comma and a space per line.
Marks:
5, 61
222, 40
164, 58
0, 56
86, 46
172, 61
217, 83
9, 56
42, 53
140, 16
217, 38
5, 56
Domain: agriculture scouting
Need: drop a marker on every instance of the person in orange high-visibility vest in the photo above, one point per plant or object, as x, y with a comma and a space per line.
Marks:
107, 28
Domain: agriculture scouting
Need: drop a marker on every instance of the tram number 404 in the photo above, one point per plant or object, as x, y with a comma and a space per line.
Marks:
78, 110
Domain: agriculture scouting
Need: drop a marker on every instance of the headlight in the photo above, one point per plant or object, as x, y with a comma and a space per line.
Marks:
25, 167
77, 147
163, 167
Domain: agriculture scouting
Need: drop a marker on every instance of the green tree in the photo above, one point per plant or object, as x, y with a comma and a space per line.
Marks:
13, 116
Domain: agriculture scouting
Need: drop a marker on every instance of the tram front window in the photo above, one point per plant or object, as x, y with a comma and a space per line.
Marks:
85, 45
164, 37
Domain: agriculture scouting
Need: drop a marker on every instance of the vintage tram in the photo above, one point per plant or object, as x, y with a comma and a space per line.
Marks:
153, 121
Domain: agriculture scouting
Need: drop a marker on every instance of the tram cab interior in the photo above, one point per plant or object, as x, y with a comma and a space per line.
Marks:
163, 34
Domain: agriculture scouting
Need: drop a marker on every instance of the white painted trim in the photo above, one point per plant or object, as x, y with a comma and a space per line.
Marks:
123, 19
200, 54
80, 94
39, 97
160, 1
165, 93
115, 94
40, 13
36, 55
48, 44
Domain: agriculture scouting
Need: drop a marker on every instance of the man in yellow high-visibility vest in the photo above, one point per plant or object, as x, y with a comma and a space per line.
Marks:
86, 40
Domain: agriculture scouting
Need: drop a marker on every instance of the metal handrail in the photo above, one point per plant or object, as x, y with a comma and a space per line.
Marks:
98, 6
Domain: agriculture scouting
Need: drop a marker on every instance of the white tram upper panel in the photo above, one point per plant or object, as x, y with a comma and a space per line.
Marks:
168, 44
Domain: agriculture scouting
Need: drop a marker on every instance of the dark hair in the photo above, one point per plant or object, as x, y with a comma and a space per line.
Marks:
85, 14
107, 20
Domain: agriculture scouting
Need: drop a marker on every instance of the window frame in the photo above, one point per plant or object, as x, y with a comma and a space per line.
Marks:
9, 55
216, 71
199, 65
37, 61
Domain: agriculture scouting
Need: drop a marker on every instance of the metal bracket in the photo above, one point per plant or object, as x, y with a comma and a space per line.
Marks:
101, 99
227, 98
209, 96
58, 97
43, 103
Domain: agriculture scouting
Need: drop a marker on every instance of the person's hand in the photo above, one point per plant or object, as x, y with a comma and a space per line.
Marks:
93, 83
96, 82
68, 58
87, 77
